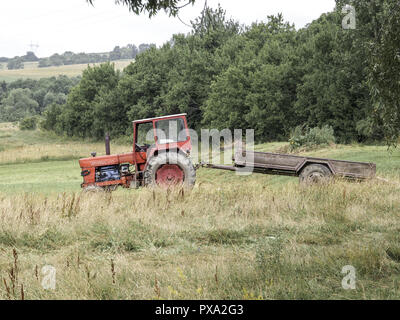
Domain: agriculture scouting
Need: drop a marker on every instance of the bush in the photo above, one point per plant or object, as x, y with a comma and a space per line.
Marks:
15, 63
51, 113
28, 123
309, 137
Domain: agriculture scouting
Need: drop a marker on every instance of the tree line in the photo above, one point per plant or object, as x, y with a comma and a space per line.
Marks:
268, 76
67, 58
18, 62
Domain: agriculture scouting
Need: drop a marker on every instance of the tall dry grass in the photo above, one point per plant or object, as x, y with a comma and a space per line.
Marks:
241, 240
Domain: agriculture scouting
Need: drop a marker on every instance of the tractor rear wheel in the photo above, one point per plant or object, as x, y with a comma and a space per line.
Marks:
315, 173
170, 169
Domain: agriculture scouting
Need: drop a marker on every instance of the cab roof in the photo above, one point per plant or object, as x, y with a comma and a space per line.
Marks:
159, 118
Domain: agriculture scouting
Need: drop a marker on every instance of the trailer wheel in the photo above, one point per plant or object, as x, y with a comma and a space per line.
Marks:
170, 169
315, 173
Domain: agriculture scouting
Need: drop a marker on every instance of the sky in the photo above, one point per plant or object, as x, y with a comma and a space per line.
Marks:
75, 25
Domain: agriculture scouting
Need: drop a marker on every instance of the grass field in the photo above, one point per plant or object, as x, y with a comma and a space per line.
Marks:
231, 237
32, 71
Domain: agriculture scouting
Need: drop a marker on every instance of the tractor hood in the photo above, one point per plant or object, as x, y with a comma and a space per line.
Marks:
106, 160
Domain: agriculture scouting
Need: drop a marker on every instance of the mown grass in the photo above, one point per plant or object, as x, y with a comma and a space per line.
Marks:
231, 237
33, 72
18, 146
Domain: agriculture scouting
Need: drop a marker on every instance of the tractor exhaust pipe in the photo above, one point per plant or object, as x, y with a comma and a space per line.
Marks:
108, 144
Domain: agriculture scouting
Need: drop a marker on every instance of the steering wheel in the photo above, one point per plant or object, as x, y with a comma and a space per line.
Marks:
141, 148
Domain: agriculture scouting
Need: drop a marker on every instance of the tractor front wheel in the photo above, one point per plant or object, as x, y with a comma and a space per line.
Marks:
93, 189
170, 169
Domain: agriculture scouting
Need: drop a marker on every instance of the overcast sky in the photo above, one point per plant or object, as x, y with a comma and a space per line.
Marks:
74, 25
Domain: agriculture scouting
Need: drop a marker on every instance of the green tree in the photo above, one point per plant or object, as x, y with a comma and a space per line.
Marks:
376, 40
52, 119
267, 76
16, 63
116, 53
54, 98
3, 89
17, 105
43, 63
334, 89
56, 60
258, 89
28, 123
30, 56
176, 78
78, 116
385, 72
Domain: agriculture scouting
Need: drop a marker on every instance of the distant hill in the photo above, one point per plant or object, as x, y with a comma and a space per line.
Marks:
69, 58
32, 71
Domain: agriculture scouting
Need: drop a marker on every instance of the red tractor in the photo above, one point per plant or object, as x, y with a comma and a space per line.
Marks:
161, 156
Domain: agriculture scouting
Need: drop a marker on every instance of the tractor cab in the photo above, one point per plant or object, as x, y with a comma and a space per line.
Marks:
161, 134
161, 156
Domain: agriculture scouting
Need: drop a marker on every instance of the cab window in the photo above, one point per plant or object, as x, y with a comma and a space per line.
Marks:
171, 130
145, 134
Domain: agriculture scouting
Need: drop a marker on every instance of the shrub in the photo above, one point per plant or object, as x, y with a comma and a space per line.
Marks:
308, 137
28, 123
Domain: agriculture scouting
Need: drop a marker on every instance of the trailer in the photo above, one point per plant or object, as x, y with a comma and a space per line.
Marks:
308, 169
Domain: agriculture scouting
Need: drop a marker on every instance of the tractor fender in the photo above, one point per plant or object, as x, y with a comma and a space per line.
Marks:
155, 152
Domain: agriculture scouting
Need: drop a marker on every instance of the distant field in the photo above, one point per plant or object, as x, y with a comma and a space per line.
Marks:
32, 71
231, 237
